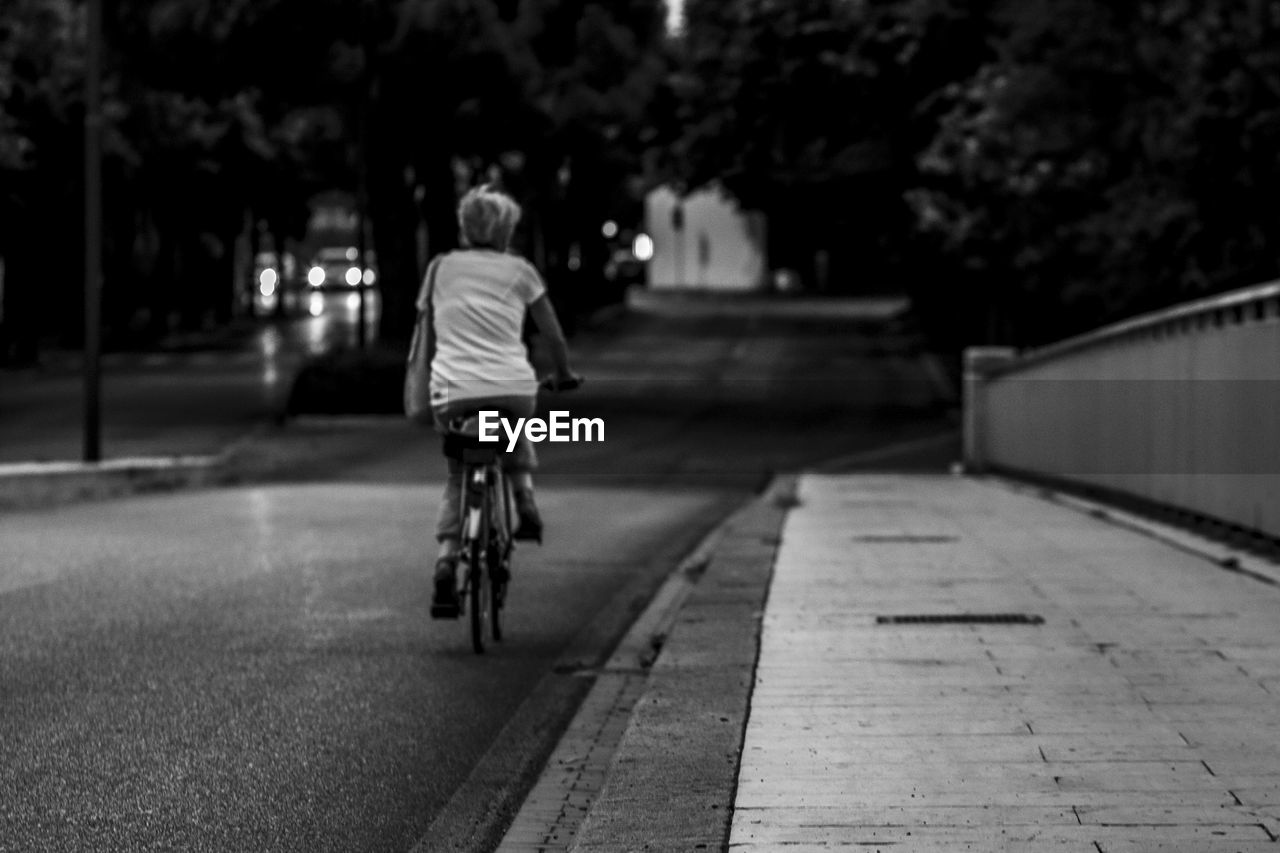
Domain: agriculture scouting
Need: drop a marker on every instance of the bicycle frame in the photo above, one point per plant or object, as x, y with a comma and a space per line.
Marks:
482, 480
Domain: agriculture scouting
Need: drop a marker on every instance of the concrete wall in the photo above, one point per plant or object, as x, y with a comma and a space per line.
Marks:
1181, 407
720, 248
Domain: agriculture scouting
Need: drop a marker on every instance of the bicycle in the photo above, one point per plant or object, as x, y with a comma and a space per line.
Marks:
487, 542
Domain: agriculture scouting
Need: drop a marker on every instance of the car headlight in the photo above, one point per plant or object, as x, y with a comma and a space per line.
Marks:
353, 276
315, 276
370, 277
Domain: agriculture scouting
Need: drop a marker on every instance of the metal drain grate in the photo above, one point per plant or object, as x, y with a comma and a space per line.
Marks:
961, 619
904, 538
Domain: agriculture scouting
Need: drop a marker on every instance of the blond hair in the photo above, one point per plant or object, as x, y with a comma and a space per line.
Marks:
487, 218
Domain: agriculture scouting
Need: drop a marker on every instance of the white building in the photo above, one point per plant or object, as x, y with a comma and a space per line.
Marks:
703, 241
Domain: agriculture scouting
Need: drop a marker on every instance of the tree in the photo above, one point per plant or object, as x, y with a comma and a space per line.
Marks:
546, 96
423, 61
220, 124
814, 111
211, 108
595, 70
40, 162
1112, 159
221, 112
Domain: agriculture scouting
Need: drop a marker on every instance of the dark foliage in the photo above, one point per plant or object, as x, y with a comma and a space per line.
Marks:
223, 119
1024, 169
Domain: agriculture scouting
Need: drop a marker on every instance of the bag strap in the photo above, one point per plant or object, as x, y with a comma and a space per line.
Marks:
426, 305
423, 302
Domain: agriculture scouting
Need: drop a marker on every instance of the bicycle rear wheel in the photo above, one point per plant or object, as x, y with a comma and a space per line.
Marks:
478, 581
497, 584
500, 554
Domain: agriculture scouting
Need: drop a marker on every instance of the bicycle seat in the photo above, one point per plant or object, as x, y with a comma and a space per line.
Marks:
462, 441
464, 426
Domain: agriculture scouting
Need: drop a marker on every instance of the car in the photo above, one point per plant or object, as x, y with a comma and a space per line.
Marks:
336, 267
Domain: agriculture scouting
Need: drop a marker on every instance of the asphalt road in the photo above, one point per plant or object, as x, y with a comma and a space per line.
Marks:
193, 395
252, 668
693, 394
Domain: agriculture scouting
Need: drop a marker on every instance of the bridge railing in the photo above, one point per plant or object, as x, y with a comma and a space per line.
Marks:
1179, 408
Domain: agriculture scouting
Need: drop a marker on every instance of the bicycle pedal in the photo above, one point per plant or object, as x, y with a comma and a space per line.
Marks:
445, 611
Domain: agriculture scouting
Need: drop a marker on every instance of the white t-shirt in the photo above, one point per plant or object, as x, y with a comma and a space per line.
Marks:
479, 300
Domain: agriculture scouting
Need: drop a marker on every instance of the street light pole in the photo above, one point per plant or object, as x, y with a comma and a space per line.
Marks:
362, 202
362, 170
93, 233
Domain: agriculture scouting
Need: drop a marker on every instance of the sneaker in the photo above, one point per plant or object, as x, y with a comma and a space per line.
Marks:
530, 525
444, 604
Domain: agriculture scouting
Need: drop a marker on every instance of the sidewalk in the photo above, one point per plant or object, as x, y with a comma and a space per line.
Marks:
1140, 715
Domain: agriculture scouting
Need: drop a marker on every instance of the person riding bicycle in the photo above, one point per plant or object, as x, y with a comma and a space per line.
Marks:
479, 296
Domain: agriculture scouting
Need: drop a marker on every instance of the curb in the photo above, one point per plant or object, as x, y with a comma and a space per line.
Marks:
26, 485
651, 760
522, 755
35, 485
879, 455
552, 812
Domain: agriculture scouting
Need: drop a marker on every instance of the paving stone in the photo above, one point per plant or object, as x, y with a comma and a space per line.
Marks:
1194, 836
1135, 718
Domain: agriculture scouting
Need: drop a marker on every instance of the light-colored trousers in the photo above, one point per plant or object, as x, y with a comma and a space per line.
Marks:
522, 458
